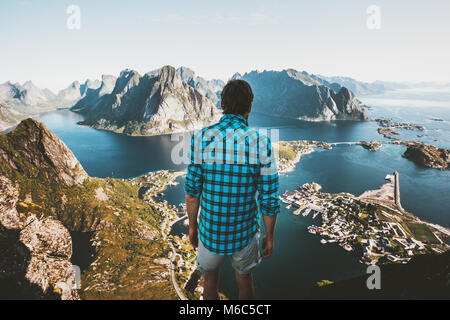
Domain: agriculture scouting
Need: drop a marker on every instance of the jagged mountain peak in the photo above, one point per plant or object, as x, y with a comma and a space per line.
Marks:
75, 84
296, 94
127, 79
169, 75
155, 103
186, 73
36, 147
236, 76
29, 84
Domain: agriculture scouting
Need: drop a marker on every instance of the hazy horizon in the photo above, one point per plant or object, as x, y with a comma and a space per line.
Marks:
217, 40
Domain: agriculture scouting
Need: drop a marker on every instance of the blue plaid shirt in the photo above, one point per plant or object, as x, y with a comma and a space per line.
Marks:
229, 164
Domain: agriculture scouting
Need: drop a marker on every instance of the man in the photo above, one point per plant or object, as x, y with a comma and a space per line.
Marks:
230, 164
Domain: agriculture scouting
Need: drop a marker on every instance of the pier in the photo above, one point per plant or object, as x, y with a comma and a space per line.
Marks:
397, 191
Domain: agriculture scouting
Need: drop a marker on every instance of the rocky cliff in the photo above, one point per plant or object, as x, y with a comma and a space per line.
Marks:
45, 197
297, 95
155, 103
35, 253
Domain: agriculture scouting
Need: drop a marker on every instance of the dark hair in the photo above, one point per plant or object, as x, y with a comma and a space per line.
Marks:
237, 96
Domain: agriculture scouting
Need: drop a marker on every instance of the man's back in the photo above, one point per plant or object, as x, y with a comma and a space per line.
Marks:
225, 169
230, 163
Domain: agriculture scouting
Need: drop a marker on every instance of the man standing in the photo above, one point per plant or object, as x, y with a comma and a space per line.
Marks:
230, 165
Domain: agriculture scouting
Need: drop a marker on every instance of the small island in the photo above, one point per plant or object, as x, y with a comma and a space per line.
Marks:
388, 132
371, 145
428, 156
387, 123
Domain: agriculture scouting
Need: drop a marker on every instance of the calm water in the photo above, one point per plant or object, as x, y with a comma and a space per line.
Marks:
299, 259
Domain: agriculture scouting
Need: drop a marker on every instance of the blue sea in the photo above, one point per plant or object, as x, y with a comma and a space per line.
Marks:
299, 259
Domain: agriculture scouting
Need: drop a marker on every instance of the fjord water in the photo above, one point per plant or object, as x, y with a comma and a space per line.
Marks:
299, 259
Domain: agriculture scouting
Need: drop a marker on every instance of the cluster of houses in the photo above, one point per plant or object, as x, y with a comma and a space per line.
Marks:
355, 225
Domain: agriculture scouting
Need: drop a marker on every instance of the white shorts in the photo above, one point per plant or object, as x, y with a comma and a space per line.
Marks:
243, 262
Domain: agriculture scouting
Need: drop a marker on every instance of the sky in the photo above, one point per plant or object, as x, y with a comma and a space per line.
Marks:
218, 38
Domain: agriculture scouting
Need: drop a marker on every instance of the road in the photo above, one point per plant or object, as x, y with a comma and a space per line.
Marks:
179, 292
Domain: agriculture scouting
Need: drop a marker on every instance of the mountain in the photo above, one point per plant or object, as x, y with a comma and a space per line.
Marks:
297, 95
8, 117
377, 87
93, 98
209, 88
357, 87
53, 215
158, 102
69, 96
28, 99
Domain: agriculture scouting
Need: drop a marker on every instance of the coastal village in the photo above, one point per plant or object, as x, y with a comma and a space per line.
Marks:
373, 225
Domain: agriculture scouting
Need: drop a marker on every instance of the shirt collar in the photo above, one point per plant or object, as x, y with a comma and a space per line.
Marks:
234, 117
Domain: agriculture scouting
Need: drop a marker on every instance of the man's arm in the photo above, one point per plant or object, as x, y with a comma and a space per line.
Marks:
267, 244
192, 206
268, 197
193, 189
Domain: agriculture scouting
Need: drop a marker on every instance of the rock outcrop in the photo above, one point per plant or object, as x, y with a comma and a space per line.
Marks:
155, 103
44, 150
428, 156
35, 253
295, 94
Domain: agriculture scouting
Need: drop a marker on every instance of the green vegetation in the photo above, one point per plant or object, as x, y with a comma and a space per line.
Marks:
422, 233
287, 152
324, 283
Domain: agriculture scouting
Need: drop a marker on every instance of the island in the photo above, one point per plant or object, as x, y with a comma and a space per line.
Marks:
387, 123
388, 132
428, 156
371, 145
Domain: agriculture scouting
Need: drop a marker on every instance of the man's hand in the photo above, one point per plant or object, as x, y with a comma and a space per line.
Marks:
267, 245
193, 236
192, 206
